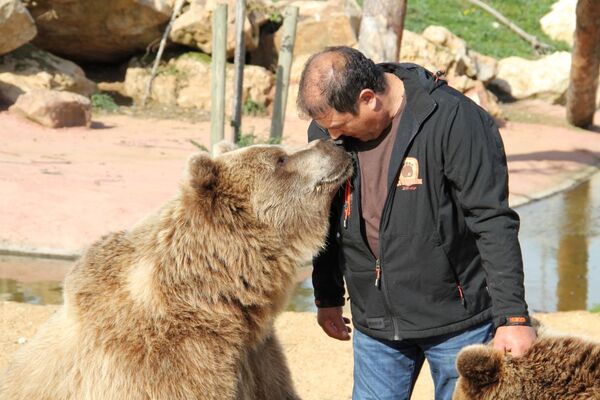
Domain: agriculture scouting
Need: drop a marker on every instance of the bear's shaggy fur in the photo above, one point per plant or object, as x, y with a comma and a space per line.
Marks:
182, 306
554, 368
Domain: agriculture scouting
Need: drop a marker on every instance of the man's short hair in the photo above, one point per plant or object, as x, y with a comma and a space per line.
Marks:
336, 81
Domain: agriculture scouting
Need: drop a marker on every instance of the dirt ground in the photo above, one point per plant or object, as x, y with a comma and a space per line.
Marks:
321, 367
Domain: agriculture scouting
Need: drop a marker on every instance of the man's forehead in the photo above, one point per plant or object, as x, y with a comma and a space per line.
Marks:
332, 118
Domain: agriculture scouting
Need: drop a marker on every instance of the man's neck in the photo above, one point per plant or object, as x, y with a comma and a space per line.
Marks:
392, 98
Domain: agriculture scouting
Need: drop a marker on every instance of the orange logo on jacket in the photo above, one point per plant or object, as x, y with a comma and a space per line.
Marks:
409, 175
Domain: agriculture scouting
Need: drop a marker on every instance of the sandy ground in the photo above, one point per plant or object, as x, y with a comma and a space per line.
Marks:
321, 367
62, 189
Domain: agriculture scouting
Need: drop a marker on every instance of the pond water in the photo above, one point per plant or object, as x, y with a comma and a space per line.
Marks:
560, 240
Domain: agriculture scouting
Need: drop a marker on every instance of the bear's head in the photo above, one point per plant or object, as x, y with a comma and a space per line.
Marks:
289, 192
482, 374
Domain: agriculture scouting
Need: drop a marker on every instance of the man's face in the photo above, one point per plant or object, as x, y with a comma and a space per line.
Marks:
367, 124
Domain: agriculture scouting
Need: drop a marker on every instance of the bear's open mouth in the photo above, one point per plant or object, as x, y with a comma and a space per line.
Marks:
337, 179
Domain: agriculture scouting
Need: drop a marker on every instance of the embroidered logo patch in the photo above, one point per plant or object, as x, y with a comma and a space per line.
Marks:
409, 175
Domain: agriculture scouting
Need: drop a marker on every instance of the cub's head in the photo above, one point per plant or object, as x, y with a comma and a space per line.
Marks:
481, 373
289, 192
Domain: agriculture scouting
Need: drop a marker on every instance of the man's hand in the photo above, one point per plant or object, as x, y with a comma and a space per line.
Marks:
515, 339
333, 323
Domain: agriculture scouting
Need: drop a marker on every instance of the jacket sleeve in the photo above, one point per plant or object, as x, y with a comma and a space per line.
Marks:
327, 278
475, 163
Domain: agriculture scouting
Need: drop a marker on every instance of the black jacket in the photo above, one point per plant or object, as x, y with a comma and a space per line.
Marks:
449, 253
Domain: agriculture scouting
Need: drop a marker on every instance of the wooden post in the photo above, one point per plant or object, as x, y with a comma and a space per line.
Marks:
381, 29
239, 61
284, 66
217, 84
585, 61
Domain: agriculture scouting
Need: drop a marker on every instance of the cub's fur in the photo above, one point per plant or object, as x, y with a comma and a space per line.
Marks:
555, 367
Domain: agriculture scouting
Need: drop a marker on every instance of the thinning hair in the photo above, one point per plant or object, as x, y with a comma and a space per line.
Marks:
334, 78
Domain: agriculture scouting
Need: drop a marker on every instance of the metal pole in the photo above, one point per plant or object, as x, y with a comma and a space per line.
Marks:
239, 60
219, 48
283, 71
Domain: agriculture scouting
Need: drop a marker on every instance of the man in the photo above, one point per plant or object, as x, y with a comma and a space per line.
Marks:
422, 233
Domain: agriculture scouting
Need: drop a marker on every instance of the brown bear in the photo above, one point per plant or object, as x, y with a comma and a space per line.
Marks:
182, 305
554, 368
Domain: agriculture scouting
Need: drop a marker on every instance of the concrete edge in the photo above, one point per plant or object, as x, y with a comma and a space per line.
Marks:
38, 253
569, 183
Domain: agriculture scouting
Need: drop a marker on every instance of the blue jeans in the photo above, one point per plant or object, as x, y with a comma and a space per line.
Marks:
388, 370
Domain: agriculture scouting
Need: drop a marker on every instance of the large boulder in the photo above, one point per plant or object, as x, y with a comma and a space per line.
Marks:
185, 82
559, 24
30, 68
92, 30
546, 78
193, 27
16, 25
54, 109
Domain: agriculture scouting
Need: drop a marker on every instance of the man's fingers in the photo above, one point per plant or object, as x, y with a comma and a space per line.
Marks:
336, 329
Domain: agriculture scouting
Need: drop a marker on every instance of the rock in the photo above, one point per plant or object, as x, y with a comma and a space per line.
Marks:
441, 36
465, 61
185, 82
322, 24
416, 49
16, 25
546, 78
54, 109
91, 30
486, 67
559, 24
194, 26
30, 68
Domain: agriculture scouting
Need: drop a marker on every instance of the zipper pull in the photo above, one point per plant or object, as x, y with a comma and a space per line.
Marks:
460, 294
347, 202
377, 274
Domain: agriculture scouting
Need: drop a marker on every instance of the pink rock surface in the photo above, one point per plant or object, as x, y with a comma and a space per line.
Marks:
61, 189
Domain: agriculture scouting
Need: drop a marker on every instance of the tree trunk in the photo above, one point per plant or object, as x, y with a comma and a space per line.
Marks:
581, 96
381, 29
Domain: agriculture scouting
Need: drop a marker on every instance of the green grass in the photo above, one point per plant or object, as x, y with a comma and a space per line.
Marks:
249, 139
103, 102
595, 309
250, 107
476, 26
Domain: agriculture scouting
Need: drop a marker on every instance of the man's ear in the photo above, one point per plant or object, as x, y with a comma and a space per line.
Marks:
202, 172
368, 98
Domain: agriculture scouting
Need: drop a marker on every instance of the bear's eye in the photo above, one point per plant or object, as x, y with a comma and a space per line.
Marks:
281, 161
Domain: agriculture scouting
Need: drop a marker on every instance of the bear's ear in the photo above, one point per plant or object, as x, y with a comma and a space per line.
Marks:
222, 147
479, 365
202, 172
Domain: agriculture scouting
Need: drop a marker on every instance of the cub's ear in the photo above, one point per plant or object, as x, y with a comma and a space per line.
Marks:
222, 147
479, 365
202, 172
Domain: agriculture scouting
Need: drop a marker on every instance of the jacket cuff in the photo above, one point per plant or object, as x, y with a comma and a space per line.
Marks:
512, 320
323, 303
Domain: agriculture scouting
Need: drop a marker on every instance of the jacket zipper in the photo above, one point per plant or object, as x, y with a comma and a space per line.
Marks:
379, 283
377, 274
